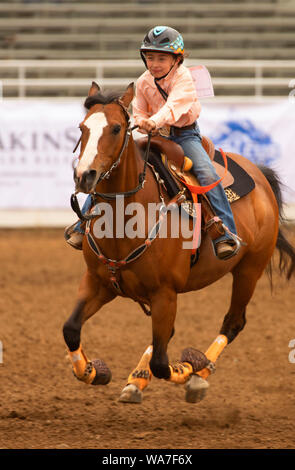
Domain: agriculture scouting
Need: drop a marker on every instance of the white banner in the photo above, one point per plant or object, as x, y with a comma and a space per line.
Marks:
262, 132
37, 139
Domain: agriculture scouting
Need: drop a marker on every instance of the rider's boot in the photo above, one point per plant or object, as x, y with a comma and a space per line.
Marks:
225, 249
73, 237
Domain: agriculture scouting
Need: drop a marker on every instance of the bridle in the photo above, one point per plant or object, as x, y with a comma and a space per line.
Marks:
106, 175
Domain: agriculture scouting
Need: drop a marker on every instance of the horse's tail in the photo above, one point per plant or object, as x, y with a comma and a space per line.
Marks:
286, 250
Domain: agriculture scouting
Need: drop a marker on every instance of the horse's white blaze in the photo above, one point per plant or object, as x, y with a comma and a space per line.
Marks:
95, 123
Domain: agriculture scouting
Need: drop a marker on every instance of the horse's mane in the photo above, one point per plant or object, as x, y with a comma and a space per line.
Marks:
105, 97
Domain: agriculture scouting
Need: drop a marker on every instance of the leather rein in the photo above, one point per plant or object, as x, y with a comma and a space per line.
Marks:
112, 196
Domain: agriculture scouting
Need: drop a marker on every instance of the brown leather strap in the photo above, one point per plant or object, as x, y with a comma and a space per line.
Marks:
212, 224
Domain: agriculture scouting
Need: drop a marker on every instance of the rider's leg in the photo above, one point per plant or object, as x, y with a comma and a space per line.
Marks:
190, 141
74, 233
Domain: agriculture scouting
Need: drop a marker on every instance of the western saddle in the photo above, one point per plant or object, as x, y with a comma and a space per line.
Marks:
178, 165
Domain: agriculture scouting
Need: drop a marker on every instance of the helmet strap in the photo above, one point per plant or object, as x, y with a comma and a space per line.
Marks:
163, 92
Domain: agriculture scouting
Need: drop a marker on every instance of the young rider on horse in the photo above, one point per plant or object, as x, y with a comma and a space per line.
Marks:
166, 97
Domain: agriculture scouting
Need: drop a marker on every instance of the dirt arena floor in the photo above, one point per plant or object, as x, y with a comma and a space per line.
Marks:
250, 402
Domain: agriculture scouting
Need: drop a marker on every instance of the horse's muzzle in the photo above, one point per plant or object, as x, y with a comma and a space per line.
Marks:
86, 182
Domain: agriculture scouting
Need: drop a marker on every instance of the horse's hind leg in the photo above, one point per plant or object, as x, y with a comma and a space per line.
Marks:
92, 296
138, 380
245, 277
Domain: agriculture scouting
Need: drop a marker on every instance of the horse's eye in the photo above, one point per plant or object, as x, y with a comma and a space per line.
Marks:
116, 129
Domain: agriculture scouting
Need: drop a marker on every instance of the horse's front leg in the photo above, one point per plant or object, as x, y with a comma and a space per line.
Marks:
92, 296
154, 360
163, 308
163, 317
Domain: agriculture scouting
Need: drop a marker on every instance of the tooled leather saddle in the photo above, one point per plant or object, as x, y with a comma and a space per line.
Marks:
169, 156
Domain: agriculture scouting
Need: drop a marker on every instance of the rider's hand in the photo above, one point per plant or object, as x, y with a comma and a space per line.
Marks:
146, 125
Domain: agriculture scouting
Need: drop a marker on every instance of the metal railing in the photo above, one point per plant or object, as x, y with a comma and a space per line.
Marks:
97, 69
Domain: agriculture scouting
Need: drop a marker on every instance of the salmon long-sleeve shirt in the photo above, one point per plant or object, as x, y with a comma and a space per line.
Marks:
182, 107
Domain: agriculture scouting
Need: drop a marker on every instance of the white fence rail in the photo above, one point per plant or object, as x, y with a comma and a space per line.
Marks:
98, 68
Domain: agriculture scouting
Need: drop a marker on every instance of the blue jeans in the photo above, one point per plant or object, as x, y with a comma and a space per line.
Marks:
190, 141
86, 206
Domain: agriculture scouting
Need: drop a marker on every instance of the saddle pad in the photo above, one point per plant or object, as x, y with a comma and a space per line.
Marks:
237, 183
243, 183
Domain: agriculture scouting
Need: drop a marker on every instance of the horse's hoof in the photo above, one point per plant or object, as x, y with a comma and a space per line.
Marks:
131, 394
196, 389
103, 373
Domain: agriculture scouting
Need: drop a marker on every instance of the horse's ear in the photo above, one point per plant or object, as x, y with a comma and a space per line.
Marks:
128, 95
94, 89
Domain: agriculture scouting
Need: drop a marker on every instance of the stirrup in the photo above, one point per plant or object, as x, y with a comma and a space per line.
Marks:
224, 250
70, 234
235, 241
69, 230
76, 240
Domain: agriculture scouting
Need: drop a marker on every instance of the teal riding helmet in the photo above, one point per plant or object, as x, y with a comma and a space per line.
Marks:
162, 39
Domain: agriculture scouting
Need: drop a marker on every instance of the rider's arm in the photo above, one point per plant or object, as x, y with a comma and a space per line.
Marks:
140, 105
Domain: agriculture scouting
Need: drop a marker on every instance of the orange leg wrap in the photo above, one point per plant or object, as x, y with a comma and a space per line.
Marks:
212, 353
180, 372
82, 367
142, 375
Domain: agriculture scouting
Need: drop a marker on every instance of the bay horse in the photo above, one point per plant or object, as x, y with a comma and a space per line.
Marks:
155, 271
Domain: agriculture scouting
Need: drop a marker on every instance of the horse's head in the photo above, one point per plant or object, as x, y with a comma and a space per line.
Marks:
104, 135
